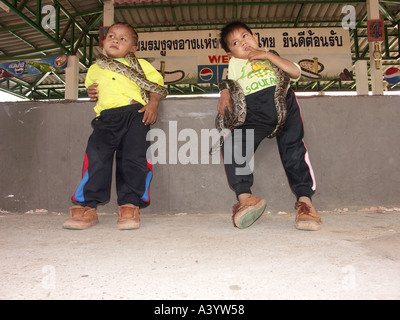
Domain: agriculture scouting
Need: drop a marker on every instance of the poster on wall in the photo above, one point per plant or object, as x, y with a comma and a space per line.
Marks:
37, 66
197, 57
12, 69
102, 35
50, 64
376, 30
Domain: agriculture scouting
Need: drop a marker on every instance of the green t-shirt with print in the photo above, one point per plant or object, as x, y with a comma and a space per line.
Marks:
252, 76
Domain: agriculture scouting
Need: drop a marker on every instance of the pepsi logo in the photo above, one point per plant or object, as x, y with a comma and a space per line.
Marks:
19, 71
392, 75
206, 74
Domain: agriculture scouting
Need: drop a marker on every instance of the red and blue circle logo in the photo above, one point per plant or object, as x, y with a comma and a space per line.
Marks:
206, 74
392, 75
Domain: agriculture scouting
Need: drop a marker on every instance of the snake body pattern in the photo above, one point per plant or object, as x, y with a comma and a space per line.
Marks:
239, 107
133, 72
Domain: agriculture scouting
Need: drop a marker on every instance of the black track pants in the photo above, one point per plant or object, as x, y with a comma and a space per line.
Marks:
118, 131
260, 122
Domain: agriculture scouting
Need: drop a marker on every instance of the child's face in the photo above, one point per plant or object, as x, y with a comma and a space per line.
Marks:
119, 41
239, 41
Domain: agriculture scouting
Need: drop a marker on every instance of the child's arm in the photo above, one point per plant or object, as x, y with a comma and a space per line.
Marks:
151, 109
92, 92
288, 66
225, 101
91, 85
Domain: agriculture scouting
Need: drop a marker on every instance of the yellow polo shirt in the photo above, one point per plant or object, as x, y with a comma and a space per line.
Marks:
116, 90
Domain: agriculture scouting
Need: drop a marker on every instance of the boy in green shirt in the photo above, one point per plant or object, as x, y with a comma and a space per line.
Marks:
250, 67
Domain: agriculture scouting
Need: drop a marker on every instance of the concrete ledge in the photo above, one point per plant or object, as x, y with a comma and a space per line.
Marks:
352, 142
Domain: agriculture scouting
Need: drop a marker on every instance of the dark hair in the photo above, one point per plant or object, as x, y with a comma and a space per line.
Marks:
129, 27
225, 31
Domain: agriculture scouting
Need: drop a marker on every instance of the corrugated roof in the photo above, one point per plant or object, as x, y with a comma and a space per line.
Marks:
22, 36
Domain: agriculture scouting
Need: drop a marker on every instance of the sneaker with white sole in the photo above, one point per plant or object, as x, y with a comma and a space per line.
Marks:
245, 213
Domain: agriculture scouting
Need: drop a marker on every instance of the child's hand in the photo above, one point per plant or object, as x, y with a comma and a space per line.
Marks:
256, 54
225, 101
93, 92
150, 110
289, 67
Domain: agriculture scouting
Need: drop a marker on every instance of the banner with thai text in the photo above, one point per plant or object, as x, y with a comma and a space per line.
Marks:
197, 57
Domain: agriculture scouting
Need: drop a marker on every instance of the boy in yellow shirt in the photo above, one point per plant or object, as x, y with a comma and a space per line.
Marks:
121, 126
250, 67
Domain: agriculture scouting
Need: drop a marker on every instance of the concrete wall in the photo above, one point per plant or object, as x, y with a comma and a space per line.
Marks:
353, 144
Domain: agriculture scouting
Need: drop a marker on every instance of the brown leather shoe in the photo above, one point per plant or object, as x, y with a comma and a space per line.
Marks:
128, 217
307, 217
245, 213
81, 218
